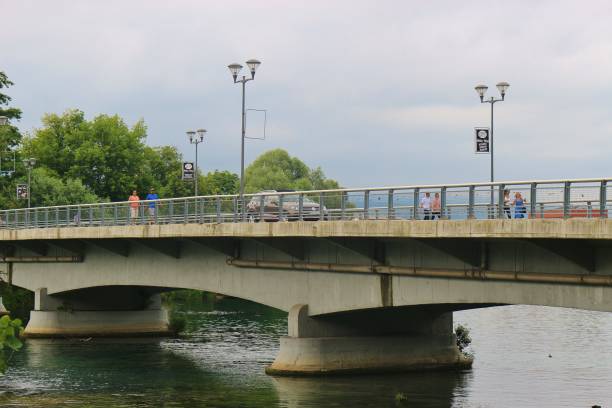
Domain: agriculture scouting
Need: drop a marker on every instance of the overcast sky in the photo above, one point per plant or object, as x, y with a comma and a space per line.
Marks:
374, 92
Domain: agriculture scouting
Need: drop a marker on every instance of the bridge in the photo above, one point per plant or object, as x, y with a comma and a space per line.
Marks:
368, 283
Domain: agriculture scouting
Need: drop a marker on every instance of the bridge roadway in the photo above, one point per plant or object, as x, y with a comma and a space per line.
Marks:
362, 295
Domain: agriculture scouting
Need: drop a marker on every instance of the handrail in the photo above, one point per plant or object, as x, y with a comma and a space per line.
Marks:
350, 201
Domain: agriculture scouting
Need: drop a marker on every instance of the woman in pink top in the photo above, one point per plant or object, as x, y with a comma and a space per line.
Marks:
134, 204
436, 207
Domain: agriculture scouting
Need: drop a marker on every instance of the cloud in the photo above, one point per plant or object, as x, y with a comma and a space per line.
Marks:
374, 92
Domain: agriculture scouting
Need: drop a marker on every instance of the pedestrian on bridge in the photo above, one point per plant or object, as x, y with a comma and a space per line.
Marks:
152, 197
436, 207
520, 210
134, 205
507, 204
426, 206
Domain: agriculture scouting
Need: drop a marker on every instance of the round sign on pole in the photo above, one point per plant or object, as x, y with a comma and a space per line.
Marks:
482, 140
188, 171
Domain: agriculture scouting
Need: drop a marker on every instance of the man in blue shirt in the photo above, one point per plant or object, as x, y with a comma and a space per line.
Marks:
152, 204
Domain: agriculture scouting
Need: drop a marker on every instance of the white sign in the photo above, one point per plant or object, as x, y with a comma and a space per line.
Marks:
482, 141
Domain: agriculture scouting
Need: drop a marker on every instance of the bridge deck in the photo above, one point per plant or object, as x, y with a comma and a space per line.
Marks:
580, 228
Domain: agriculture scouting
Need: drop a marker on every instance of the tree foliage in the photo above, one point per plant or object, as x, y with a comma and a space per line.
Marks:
104, 153
10, 332
277, 170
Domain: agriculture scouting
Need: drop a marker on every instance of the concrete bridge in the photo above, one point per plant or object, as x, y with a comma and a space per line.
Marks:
362, 294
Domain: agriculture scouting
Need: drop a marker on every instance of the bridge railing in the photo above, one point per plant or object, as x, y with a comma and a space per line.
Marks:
584, 198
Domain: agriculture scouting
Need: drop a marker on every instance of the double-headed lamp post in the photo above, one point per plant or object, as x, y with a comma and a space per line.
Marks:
196, 137
29, 165
235, 68
502, 87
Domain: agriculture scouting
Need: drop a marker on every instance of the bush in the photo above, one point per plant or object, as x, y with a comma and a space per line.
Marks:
177, 323
10, 331
463, 338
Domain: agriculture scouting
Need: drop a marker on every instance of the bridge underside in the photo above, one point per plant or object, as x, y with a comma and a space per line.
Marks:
355, 303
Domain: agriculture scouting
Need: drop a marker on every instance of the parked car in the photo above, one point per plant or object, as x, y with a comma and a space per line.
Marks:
291, 207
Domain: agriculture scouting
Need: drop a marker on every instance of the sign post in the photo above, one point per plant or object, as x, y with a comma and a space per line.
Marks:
482, 140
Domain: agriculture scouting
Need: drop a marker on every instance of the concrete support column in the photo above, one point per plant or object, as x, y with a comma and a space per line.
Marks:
97, 313
369, 341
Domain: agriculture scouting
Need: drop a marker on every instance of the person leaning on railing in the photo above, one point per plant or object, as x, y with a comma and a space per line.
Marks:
507, 203
152, 197
520, 210
134, 204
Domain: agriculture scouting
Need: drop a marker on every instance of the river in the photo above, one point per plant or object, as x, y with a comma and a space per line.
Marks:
526, 356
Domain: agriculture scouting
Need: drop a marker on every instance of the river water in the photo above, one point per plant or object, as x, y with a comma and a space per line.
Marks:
526, 356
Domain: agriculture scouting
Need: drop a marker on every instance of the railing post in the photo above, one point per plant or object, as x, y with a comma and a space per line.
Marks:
390, 209
443, 210
566, 199
342, 205
321, 207
603, 190
534, 200
171, 212
301, 207
235, 202
415, 204
366, 204
219, 210
500, 202
46, 217
471, 202
79, 215
90, 215
262, 203
281, 201
185, 211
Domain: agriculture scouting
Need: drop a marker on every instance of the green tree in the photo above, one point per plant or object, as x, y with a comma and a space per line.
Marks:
219, 182
48, 189
10, 331
163, 170
277, 170
104, 153
10, 138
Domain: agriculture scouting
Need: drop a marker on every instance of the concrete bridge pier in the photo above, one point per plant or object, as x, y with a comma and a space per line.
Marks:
98, 312
379, 340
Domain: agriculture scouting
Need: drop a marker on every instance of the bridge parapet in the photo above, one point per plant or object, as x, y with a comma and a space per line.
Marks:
537, 199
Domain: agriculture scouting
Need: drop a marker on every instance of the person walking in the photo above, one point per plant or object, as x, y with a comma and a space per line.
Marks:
436, 207
507, 203
152, 205
426, 206
520, 211
134, 205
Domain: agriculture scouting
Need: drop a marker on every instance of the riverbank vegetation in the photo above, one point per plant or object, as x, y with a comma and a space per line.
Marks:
10, 333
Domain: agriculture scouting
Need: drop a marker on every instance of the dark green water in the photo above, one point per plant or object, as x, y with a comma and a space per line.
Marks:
220, 364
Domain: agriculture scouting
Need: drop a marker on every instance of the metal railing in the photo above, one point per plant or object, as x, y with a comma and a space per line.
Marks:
583, 198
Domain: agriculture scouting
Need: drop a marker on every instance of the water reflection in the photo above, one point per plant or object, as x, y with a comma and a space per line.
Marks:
525, 357
432, 389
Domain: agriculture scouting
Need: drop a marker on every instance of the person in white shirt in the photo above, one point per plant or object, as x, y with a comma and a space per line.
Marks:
426, 206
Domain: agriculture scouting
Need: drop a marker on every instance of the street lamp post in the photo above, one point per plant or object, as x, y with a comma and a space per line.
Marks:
235, 68
196, 140
29, 165
502, 87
